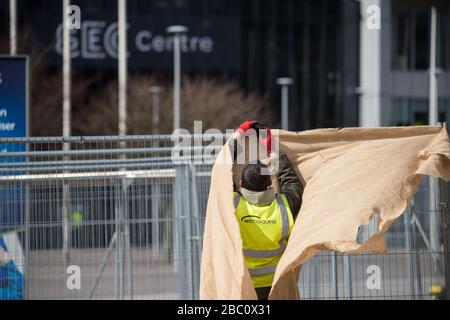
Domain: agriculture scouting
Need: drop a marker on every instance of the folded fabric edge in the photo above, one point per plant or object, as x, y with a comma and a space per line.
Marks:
352, 246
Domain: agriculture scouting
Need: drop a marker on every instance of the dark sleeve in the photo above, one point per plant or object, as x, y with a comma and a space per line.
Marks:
233, 149
290, 184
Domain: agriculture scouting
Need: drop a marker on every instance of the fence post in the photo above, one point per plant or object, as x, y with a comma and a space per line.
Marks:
434, 221
65, 221
446, 230
176, 217
443, 205
116, 232
155, 221
120, 252
417, 260
334, 276
26, 269
187, 234
407, 226
182, 243
196, 236
315, 278
128, 255
347, 276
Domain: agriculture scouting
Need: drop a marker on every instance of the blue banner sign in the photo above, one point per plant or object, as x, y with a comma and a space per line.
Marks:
13, 100
13, 123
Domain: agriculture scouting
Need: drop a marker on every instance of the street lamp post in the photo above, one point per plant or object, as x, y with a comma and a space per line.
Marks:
178, 246
433, 118
284, 82
66, 125
123, 68
155, 189
13, 27
123, 255
177, 31
154, 92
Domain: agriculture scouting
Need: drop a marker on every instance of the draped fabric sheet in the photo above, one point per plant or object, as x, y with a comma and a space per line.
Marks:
349, 176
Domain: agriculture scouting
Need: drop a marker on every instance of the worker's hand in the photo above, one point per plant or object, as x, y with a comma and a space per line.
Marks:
265, 137
246, 125
262, 131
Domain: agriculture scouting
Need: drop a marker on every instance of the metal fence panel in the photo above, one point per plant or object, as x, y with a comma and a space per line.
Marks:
131, 220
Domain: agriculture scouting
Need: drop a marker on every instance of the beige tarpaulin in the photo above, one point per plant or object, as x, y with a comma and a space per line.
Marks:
349, 175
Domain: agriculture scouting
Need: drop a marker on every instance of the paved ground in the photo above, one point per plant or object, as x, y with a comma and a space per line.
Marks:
157, 279
396, 282
152, 278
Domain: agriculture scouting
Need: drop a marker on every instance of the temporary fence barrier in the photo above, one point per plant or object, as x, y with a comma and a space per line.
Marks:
122, 217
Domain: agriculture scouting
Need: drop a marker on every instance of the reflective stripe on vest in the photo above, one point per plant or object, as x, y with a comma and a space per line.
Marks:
262, 271
284, 220
236, 200
268, 253
264, 253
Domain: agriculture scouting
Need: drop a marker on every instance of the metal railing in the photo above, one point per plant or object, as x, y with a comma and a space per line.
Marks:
410, 268
129, 220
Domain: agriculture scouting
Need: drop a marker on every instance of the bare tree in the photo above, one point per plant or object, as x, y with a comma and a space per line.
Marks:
217, 103
46, 86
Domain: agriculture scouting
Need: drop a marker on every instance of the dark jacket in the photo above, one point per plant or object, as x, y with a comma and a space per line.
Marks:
290, 185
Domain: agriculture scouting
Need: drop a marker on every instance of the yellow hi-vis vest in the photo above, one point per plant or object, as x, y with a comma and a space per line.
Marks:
265, 231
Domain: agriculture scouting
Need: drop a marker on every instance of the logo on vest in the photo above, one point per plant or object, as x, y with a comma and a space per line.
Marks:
257, 220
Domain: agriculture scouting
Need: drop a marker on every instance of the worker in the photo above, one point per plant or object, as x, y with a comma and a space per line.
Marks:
265, 218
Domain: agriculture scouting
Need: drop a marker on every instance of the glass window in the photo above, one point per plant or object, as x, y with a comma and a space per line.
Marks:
411, 34
401, 112
408, 112
421, 39
420, 112
403, 56
444, 111
443, 43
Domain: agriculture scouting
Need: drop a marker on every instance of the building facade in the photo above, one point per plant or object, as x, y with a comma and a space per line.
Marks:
344, 73
315, 42
395, 61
